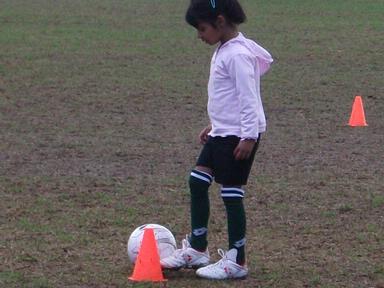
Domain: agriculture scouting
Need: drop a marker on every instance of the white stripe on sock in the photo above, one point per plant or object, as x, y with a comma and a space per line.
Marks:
200, 177
208, 175
232, 189
227, 195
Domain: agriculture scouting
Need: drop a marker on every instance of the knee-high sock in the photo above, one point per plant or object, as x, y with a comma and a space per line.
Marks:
236, 219
199, 183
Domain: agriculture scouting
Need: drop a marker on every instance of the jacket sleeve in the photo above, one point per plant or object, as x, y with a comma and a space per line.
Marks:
246, 76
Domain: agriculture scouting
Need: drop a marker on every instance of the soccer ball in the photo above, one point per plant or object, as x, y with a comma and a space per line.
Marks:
166, 243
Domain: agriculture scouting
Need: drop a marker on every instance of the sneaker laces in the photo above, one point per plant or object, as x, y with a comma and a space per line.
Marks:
221, 253
184, 246
220, 263
185, 243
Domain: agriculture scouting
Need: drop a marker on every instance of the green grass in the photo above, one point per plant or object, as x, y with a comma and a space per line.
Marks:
100, 106
377, 201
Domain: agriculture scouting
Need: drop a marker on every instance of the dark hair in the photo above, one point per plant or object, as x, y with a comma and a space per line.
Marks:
208, 10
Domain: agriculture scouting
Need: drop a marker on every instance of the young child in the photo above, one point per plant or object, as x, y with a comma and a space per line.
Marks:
230, 140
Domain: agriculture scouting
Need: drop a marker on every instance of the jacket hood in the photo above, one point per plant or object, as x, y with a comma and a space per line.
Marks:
264, 58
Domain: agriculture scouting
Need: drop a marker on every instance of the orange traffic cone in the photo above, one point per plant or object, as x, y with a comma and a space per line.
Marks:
357, 115
147, 266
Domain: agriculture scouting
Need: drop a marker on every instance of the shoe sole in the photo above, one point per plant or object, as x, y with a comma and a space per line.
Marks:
230, 279
192, 267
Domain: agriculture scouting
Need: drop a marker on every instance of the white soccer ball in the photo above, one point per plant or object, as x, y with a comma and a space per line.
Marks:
166, 243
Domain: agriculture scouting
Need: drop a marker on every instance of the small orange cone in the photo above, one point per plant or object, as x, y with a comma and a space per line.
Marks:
147, 266
357, 115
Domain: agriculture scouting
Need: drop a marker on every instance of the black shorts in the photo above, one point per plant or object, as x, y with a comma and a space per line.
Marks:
217, 154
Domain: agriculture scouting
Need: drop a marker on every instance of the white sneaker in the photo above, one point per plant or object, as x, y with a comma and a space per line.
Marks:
186, 257
226, 268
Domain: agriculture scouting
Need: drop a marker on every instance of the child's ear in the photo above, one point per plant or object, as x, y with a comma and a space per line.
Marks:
221, 21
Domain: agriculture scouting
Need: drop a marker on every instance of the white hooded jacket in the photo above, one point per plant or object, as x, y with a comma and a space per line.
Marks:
234, 101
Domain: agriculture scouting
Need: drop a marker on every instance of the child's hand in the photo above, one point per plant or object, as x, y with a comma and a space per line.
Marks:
203, 136
244, 149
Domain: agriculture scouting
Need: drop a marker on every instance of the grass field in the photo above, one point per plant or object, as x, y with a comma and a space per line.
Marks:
100, 106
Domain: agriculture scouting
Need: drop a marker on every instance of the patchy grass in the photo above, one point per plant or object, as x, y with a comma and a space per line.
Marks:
100, 105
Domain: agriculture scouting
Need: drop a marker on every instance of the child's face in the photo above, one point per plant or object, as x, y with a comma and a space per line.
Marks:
207, 33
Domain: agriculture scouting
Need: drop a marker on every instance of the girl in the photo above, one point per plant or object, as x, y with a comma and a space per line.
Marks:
230, 140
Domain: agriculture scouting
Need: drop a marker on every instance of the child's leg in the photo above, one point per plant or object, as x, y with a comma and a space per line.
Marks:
233, 200
233, 174
199, 182
194, 253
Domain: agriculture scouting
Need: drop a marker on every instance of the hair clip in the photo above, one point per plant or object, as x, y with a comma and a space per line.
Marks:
213, 3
